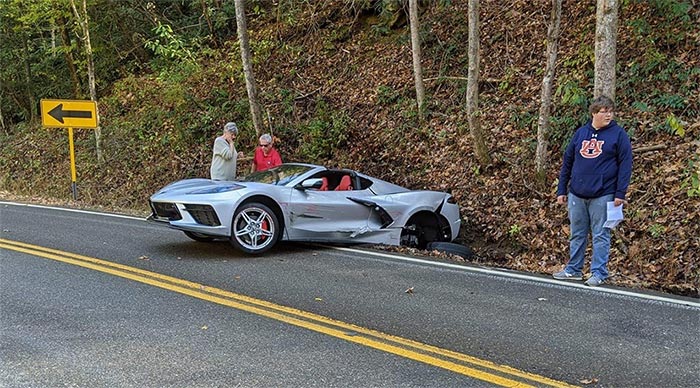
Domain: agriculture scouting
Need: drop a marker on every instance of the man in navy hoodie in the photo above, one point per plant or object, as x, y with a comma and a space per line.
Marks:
596, 170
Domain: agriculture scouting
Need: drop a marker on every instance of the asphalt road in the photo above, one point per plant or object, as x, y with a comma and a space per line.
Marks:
102, 301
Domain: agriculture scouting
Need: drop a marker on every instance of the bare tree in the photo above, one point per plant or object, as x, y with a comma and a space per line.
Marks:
546, 93
68, 55
206, 13
415, 46
2, 119
248, 67
83, 21
28, 81
480, 149
605, 48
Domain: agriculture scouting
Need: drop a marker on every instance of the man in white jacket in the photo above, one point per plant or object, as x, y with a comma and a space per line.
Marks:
223, 162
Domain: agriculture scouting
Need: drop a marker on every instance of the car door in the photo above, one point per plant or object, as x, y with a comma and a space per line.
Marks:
327, 215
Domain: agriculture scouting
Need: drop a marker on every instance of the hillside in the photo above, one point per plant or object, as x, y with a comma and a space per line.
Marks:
336, 85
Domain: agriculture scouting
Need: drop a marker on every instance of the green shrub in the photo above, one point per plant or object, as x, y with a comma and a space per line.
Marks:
324, 133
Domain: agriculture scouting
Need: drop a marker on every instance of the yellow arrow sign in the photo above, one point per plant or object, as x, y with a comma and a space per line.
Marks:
68, 114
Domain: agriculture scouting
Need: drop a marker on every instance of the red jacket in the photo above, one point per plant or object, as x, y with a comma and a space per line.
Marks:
262, 162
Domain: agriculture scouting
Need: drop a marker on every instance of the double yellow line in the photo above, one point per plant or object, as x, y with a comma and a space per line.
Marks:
453, 361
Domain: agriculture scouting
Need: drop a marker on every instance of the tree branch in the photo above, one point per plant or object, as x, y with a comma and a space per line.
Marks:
487, 80
649, 148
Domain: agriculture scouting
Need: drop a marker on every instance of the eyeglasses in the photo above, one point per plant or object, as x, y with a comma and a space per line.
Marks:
264, 145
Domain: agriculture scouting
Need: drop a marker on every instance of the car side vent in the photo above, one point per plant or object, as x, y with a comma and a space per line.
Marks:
166, 210
203, 214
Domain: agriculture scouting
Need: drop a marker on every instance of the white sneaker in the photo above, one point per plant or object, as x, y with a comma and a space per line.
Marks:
563, 275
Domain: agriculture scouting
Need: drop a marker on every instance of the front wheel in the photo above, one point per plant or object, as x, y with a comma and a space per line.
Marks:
255, 228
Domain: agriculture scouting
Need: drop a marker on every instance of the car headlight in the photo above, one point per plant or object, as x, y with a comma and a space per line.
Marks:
217, 189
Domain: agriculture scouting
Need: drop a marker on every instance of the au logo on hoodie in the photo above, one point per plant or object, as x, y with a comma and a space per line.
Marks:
591, 149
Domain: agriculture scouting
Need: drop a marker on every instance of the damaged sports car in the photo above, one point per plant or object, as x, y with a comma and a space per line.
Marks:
304, 202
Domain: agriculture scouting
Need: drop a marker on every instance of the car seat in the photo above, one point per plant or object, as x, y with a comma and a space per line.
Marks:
345, 183
324, 185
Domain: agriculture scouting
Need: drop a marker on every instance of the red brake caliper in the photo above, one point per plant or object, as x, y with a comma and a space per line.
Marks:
265, 227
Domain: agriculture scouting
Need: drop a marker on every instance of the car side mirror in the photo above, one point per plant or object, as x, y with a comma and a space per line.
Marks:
313, 183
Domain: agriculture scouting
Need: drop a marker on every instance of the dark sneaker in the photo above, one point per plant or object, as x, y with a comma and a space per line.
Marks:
563, 275
594, 281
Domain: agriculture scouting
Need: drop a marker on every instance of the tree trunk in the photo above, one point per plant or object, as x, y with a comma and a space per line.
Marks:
84, 24
2, 118
248, 67
206, 14
415, 45
28, 82
605, 48
546, 93
68, 55
480, 149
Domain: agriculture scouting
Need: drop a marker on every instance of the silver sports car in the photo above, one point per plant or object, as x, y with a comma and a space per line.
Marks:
304, 202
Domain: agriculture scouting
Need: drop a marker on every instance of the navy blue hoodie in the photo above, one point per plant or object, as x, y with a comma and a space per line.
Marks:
597, 162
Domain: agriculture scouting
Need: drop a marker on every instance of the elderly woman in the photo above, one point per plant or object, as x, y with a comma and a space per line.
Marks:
223, 162
266, 156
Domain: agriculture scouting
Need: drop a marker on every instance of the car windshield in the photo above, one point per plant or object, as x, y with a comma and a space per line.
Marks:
278, 176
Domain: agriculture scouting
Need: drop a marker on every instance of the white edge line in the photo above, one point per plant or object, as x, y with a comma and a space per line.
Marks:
508, 273
73, 210
505, 273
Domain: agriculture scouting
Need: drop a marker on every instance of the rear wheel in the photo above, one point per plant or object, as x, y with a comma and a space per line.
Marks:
420, 230
462, 251
255, 228
199, 236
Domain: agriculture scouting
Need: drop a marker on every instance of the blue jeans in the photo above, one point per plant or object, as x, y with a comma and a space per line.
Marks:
586, 214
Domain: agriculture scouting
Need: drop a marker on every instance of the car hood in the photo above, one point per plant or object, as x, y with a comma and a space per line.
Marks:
197, 186
184, 189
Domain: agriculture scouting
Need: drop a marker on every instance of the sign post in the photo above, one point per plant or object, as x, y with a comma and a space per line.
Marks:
69, 114
73, 186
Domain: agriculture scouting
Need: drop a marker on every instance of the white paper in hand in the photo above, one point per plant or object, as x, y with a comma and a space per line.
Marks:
614, 215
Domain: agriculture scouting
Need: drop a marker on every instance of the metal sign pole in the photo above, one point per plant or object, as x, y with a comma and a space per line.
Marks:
73, 186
